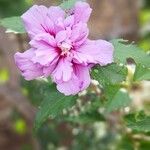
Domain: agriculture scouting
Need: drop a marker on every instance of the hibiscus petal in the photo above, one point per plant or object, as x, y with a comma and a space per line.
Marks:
63, 71
43, 40
55, 13
45, 56
79, 34
61, 36
46, 50
59, 25
82, 58
69, 21
47, 70
83, 75
69, 88
28, 69
96, 52
82, 12
36, 20
80, 81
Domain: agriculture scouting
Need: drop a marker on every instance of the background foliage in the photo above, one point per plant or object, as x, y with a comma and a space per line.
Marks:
105, 116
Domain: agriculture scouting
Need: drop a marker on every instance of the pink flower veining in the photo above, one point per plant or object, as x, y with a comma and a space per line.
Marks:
60, 47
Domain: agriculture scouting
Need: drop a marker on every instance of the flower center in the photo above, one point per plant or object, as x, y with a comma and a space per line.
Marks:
65, 48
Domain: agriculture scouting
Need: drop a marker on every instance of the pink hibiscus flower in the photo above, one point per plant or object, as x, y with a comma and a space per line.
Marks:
60, 47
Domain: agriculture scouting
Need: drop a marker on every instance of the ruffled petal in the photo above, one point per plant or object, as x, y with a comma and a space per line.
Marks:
36, 20
47, 70
69, 88
28, 69
55, 13
80, 81
82, 58
82, 12
83, 76
96, 52
63, 71
45, 56
69, 21
79, 34
43, 40
61, 36
46, 50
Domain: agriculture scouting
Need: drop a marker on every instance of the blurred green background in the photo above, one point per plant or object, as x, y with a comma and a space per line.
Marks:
96, 133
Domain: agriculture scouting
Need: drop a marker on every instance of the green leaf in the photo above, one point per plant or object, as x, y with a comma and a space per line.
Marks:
141, 73
144, 145
142, 125
109, 77
125, 143
52, 105
90, 113
134, 117
110, 74
31, 88
87, 117
116, 98
13, 24
123, 51
68, 4
138, 121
